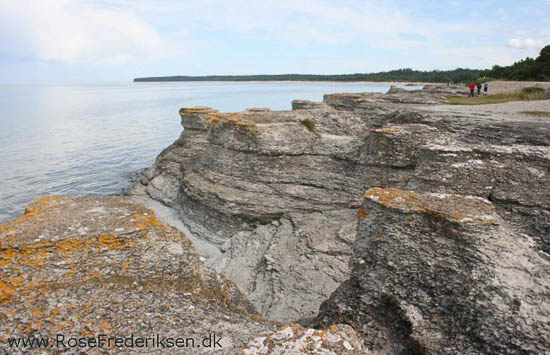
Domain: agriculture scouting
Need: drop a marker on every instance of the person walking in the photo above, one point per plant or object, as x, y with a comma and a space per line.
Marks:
486, 87
478, 88
472, 88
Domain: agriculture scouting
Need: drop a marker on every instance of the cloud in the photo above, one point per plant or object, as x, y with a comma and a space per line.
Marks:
163, 37
75, 31
528, 43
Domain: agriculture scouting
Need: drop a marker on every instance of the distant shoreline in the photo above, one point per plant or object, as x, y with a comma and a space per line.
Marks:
340, 78
391, 82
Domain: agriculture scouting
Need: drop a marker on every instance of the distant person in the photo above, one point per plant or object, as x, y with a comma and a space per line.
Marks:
478, 89
472, 88
486, 87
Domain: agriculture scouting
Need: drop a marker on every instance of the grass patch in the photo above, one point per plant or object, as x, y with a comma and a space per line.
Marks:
526, 94
310, 125
533, 90
537, 113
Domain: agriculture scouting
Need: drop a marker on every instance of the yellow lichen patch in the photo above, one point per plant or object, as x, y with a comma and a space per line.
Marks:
35, 255
37, 207
6, 228
35, 263
455, 208
110, 241
6, 291
17, 281
392, 197
69, 245
124, 266
6, 256
186, 111
237, 120
144, 221
35, 312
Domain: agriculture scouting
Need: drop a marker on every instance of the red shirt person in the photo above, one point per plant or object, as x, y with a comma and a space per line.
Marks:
472, 88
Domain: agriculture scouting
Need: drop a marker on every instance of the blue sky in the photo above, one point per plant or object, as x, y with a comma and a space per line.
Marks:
71, 41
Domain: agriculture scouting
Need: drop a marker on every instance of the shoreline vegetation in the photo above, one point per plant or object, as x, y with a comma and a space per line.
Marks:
525, 70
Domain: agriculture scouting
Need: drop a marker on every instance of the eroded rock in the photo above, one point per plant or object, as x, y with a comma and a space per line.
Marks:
273, 190
441, 274
81, 267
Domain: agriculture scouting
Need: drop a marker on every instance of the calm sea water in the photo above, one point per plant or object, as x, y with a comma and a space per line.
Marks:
87, 140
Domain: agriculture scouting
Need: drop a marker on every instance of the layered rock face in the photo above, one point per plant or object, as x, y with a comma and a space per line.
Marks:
283, 199
280, 193
72, 269
267, 193
443, 274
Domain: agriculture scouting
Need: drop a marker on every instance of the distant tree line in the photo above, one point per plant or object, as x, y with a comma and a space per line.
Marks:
527, 69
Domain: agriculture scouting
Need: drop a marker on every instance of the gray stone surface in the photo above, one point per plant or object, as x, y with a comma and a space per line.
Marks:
275, 196
443, 274
82, 267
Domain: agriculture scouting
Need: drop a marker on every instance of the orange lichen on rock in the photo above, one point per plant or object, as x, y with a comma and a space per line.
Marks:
363, 212
66, 269
237, 120
6, 291
187, 111
455, 208
110, 241
37, 207
143, 221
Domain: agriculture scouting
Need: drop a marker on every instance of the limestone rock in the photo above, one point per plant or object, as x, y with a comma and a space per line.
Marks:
81, 267
126, 274
306, 105
395, 90
280, 200
443, 274
338, 339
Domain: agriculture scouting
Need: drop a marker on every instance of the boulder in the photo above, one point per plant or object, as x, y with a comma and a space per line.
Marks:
442, 274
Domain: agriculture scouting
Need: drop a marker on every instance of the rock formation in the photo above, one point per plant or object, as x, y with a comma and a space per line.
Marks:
280, 195
77, 268
442, 274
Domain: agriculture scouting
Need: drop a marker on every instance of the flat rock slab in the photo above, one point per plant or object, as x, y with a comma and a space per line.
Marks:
455, 208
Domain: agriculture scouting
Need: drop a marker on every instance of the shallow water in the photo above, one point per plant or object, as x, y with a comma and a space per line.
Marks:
87, 140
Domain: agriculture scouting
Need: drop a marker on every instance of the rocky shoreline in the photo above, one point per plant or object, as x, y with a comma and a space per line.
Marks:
83, 270
425, 227
280, 198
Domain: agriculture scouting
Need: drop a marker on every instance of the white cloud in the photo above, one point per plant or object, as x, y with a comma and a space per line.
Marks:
528, 43
76, 31
130, 36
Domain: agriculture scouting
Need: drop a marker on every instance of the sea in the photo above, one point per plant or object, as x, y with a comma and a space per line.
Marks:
91, 140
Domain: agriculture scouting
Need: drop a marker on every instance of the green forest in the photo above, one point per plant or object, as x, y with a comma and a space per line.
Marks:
528, 69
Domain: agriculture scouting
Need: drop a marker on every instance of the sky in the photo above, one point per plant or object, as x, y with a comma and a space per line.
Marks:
88, 41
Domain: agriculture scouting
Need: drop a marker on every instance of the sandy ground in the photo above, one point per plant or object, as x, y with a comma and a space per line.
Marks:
508, 107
